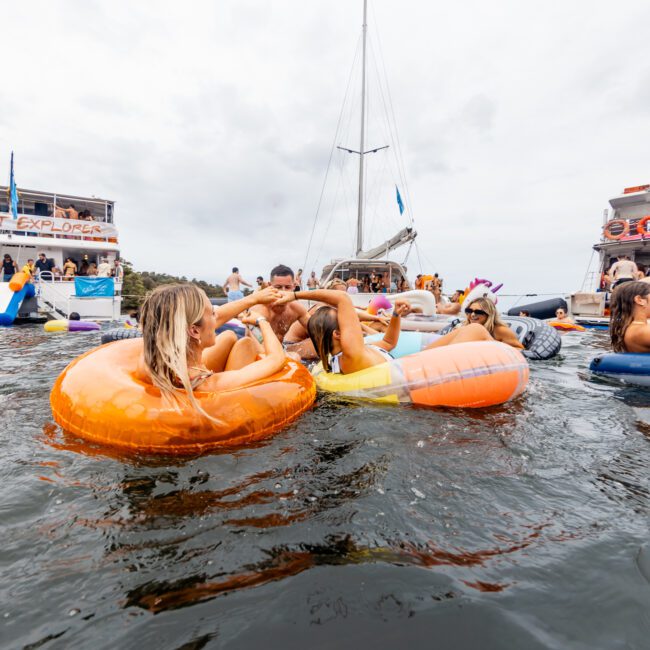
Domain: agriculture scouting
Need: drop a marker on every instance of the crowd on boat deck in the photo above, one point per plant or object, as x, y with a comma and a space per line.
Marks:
72, 268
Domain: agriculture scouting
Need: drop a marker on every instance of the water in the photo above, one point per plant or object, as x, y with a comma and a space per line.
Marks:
523, 526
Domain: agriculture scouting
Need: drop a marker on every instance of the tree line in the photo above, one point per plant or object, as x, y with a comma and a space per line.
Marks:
137, 284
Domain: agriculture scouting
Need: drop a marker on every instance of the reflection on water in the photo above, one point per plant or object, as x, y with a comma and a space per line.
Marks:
516, 526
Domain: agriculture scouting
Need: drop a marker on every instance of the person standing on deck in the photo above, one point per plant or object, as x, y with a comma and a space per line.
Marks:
104, 269
118, 271
312, 281
232, 285
622, 271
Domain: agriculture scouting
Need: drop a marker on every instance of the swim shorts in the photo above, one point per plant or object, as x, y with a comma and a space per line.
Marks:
235, 295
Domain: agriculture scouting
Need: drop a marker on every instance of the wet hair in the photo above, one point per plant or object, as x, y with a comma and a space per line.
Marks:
74, 315
281, 270
320, 327
622, 311
235, 269
493, 319
165, 318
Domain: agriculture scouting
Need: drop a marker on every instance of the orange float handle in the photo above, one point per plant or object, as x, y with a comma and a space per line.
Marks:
18, 281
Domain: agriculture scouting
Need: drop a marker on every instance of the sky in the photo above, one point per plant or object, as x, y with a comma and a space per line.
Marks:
211, 123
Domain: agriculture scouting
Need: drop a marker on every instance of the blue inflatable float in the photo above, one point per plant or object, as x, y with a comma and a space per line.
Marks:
627, 368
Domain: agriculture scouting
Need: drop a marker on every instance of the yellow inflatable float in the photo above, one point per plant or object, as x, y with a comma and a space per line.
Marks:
99, 398
467, 375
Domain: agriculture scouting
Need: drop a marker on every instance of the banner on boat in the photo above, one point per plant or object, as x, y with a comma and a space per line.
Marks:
87, 287
55, 226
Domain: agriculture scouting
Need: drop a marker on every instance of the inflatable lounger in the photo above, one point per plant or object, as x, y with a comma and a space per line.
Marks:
467, 375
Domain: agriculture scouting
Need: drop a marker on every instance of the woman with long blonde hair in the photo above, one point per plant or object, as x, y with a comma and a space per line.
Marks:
482, 323
628, 321
182, 353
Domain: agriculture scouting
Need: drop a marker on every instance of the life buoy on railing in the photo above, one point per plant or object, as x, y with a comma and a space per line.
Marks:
640, 227
607, 230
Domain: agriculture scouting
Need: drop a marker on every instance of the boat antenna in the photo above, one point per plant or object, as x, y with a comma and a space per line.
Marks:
363, 130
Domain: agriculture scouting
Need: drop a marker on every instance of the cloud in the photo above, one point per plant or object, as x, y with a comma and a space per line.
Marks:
211, 125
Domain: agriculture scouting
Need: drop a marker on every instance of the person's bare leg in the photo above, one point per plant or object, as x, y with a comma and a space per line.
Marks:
304, 349
215, 357
471, 332
244, 352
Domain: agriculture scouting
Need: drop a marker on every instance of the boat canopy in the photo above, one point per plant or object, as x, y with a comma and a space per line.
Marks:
44, 204
358, 268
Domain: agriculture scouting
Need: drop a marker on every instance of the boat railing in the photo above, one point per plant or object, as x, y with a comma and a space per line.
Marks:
56, 301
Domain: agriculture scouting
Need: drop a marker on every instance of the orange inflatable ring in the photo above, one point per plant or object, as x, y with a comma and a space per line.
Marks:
566, 327
640, 227
607, 231
98, 398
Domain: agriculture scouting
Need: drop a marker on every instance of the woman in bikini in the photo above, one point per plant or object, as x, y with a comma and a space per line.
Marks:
628, 322
182, 353
337, 335
482, 323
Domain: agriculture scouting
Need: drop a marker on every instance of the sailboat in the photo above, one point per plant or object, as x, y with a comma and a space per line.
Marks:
373, 260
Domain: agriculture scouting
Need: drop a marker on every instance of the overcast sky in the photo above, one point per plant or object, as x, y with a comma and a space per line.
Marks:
210, 123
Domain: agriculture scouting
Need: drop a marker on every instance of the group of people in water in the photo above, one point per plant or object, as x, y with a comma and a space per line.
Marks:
182, 351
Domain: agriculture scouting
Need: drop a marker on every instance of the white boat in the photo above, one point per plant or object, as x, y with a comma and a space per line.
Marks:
624, 232
42, 226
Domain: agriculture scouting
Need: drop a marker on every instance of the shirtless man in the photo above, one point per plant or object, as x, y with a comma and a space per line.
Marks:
436, 285
231, 285
282, 317
312, 282
622, 271
452, 307
67, 213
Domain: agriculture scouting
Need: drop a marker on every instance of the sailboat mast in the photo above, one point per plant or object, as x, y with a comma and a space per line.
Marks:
363, 133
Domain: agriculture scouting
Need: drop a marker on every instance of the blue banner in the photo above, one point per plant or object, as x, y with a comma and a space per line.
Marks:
94, 287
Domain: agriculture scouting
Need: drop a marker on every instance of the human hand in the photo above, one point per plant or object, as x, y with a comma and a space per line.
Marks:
402, 308
249, 317
267, 296
285, 297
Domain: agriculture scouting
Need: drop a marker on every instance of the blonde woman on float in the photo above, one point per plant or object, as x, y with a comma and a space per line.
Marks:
182, 353
482, 323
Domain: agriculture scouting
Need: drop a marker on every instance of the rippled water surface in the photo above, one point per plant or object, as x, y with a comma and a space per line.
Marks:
523, 526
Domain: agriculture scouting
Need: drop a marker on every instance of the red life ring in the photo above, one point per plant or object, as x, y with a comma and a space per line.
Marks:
640, 227
619, 222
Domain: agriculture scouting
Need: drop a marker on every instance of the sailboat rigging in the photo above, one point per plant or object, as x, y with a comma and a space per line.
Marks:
374, 259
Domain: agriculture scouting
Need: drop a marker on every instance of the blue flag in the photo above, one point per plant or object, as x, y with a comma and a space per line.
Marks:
13, 191
399, 201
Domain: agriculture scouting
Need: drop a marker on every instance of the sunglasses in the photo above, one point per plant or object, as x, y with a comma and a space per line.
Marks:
477, 312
